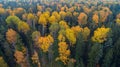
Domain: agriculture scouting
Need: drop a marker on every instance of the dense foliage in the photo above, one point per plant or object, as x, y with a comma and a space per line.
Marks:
60, 34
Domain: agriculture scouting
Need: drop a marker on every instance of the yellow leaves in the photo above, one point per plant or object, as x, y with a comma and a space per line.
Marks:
70, 36
61, 38
63, 25
86, 32
118, 21
11, 36
64, 52
42, 20
35, 57
95, 18
52, 19
100, 35
23, 27
82, 18
56, 14
19, 57
30, 16
45, 42
76, 30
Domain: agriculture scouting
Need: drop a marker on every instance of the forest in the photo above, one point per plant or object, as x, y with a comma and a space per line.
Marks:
59, 33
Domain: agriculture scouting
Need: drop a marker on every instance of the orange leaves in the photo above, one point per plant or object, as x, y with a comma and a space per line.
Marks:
95, 18
45, 42
64, 52
11, 36
82, 18
19, 57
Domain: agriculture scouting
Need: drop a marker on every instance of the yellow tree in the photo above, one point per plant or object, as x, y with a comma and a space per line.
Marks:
76, 30
86, 33
43, 21
52, 19
23, 27
64, 52
62, 14
71, 36
63, 25
45, 42
82, 18
56, 14
100, 35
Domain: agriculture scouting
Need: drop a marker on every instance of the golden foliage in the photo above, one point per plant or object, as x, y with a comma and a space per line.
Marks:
30, 16
52, 19
95, 18
86, 33
61, 38
118, 21
45, 42
56, 14
64, 52
62, 14
70, 36
19, 57
63, 25
42, 20
118, 16
35, 57
82, 18
76, 30
11, 36
100, 35
23, 27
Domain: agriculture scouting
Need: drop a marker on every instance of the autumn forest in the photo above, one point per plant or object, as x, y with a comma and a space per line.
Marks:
59, 33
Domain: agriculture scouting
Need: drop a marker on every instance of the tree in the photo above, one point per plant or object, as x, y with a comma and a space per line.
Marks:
54, 28
70, 36
82, 18
99, 36
52, 19
64, 52
95, 18
95, 54
12, 20
11, 36
23, 27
